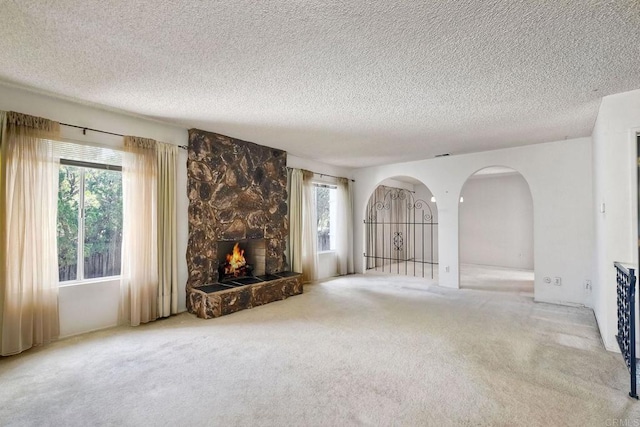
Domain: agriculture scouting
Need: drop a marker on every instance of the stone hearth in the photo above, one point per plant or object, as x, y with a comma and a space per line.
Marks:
218, 299
237, 192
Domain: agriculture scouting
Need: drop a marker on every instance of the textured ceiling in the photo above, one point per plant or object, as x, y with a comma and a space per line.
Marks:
351, 83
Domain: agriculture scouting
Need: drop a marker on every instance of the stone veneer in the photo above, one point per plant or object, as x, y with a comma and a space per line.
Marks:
208, 305
237, 191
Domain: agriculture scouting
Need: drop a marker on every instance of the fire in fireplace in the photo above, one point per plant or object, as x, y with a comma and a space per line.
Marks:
241, 258
236, 265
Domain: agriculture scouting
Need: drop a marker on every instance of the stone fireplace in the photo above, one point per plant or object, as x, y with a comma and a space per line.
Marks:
237, 194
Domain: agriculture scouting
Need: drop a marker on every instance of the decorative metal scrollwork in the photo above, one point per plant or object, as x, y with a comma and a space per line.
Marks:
394, 194
398, 241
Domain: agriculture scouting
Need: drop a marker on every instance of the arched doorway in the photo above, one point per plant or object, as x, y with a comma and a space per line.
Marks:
401, 229
496, 232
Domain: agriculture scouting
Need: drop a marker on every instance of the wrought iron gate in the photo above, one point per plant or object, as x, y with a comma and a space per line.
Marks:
626, 289
401, 233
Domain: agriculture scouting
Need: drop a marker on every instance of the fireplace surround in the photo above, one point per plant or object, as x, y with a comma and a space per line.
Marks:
237, 193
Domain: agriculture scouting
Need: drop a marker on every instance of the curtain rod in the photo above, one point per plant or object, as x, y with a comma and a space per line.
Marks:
397, 188
325, 174
85, 129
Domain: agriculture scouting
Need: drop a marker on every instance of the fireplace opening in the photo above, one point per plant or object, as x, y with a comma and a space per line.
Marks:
238, 259
236, 264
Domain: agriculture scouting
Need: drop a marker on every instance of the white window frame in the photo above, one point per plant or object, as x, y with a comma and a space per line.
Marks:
80, 279
333, 213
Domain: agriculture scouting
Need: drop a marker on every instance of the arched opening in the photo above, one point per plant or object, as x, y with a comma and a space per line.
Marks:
496, 232
401, 229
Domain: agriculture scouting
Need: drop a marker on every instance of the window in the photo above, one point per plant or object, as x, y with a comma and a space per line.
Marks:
326, 197
89, 221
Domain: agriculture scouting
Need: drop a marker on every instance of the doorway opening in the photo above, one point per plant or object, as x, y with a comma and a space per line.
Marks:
401, 229
496, 232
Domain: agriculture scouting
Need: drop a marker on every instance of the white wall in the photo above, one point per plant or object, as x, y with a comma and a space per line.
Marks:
94, 306
614, 139
496, 221
327, 265
559, 175
88, 307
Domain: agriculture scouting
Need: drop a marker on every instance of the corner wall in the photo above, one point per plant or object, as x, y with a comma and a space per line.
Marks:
616, 229
559, 175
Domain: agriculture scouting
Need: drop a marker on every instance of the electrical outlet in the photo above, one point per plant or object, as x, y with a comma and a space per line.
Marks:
557, 281
587, 285
547, 279
446, 269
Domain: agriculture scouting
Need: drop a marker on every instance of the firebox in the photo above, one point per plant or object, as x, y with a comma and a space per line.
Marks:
241, 258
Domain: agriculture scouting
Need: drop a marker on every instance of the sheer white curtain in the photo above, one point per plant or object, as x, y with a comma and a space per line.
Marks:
344, 241
167, 230
295, 219
28, 256
309, 230
139, 283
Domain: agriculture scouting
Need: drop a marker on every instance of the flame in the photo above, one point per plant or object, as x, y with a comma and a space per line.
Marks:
235, 260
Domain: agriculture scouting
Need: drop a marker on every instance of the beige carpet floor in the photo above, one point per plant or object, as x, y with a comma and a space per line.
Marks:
360, 350
472, 276
499, 279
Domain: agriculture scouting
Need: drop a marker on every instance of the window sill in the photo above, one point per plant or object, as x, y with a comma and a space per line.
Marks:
71, 283
333, 251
